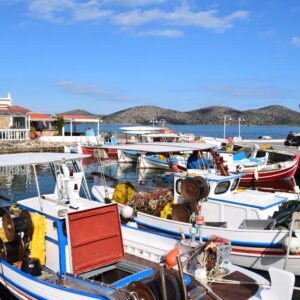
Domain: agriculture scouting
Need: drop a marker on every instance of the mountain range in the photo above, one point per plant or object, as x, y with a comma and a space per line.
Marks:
212, 115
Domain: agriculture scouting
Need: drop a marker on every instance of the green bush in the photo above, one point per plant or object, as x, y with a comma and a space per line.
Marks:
59, 124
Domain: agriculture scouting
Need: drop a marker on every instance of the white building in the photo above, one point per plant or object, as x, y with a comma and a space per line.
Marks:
14, 120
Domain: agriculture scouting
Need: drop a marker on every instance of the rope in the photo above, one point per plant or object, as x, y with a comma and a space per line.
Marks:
229, 281
102, 177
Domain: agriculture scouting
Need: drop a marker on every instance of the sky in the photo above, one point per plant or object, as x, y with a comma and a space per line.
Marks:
108, 55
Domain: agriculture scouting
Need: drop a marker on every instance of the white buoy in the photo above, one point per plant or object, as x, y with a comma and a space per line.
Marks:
200, 275
127, 212
132, 224
294, 244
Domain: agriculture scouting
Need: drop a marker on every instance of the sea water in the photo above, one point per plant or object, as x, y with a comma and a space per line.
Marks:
247, 132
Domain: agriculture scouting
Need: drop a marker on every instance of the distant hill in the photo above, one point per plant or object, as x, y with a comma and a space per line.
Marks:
143, 115
214, 115
77, 112
269, 115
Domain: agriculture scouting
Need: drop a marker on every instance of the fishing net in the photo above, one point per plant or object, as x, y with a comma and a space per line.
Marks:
152, 202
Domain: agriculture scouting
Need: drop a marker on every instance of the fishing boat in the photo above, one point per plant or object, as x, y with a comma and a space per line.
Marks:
272, 171
147, 134
107, 154
261, 166
63, 246
247, 217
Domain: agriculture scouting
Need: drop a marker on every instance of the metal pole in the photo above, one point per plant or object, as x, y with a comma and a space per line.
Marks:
163, 281
185, 296
37, 187
28, 127
295, 217
224, 127
239, 127
71, 127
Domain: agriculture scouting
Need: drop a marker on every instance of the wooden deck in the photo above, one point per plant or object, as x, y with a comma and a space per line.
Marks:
234, 291
224, 291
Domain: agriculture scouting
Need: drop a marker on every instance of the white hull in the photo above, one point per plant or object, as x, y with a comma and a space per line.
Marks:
145, 163
124, 157
28, 287
251, 248
265, 262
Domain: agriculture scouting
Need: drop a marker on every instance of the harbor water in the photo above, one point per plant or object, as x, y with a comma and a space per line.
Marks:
247, 132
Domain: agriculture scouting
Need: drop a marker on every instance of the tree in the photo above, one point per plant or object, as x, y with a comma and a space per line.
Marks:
59, 123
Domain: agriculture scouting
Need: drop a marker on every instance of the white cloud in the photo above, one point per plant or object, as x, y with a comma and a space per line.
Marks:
133, 2
180, 16
268, 33
67, 10
296, 41
92, 91
137, 17
118, 13
81, 88
164, 33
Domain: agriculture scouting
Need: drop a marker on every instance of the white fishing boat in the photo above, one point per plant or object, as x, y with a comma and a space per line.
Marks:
147, 134
263, 168
63, 246
246, 217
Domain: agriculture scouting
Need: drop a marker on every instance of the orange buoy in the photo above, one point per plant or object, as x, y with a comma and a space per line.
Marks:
171, 257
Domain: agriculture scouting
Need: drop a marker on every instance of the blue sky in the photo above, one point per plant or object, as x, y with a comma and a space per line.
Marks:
107, 55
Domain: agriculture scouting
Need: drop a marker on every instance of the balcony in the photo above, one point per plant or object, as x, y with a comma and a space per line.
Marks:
14, 134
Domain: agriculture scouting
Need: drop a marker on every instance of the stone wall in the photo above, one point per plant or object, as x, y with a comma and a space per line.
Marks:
4, 122
31, 146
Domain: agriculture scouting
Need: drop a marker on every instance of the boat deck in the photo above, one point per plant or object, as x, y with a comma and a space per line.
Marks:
233, 291
224, 291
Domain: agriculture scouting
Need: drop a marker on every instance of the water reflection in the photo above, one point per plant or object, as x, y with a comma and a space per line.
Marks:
17, 183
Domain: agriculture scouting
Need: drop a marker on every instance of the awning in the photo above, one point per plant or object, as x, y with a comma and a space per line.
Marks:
18, 159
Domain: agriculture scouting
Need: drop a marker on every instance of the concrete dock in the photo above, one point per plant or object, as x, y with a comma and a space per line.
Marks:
277, 145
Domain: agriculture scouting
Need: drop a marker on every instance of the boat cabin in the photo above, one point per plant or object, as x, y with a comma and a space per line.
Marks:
226, 203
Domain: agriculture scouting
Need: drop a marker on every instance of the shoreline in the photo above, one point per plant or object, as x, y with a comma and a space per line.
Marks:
31, 146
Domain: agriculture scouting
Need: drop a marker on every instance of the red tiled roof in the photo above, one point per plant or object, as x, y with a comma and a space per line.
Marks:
40, 116
19, 108
13, 109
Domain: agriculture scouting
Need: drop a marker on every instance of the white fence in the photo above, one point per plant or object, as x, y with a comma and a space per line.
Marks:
14, 134
72, 139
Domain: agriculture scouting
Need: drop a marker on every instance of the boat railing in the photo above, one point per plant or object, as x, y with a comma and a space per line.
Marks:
14, 134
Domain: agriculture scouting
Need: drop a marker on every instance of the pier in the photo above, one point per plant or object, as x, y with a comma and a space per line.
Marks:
276, 146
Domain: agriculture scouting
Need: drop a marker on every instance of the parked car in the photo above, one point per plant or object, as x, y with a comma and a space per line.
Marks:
293, 139
264, 137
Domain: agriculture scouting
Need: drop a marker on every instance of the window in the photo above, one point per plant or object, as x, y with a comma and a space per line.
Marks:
18, 123
178, 186
222, 187
234, 184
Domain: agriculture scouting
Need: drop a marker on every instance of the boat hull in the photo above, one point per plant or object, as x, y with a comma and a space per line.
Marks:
272, 172
127, 156
90, 150
25, 286
259, 249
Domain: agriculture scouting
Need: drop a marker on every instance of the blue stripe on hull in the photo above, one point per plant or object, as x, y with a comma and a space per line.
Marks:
177, 234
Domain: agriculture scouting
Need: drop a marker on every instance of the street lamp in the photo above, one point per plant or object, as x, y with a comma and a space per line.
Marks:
153, 121
163, 122
229, 119
240, 119
98, 125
